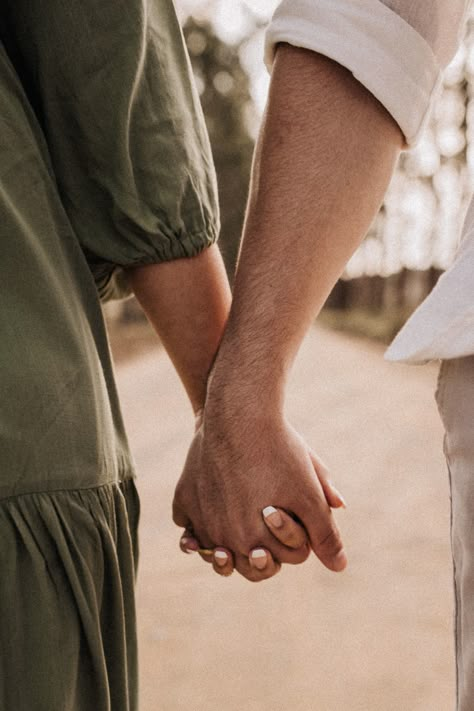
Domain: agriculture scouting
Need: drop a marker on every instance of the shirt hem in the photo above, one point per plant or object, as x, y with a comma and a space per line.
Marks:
388, 56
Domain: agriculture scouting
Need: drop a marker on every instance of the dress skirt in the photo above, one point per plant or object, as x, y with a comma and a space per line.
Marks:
69, 508
68, 631
105, 163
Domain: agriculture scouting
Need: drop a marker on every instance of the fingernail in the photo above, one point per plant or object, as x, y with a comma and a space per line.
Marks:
221, 558
259, 558
187, 543
273, 516
341, 498
338, 494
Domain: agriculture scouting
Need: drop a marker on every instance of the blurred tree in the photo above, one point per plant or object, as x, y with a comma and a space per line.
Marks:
415, 234
223, 86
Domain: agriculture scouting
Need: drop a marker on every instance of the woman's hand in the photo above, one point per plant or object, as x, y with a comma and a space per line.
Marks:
283, 527
235, 472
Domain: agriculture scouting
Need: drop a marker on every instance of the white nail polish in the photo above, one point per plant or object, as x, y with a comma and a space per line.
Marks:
220, 554
268, 510
258, 553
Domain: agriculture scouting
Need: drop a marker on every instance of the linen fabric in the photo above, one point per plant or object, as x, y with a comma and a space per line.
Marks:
398, 49
104, 163
455, 399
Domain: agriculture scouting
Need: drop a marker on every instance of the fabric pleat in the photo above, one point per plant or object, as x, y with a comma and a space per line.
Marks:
68, 630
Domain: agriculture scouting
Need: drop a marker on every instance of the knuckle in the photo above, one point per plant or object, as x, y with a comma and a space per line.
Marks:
178, 517
178, 493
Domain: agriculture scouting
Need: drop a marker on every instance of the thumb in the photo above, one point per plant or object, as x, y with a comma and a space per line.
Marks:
314, 512
334, 497
323, 533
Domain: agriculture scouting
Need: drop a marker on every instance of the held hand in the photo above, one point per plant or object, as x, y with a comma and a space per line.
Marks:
232, 473
284, 528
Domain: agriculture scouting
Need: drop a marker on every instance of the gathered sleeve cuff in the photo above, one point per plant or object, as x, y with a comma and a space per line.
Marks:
112, 86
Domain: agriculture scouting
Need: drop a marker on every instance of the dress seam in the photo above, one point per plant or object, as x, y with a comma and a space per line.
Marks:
62, 490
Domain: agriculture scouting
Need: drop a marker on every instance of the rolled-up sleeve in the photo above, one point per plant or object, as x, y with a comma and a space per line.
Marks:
397, 49
112, 86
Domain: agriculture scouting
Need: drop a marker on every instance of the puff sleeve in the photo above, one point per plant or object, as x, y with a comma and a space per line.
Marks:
397, 49
111, 84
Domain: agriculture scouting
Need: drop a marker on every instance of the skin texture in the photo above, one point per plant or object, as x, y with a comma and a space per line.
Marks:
325, 155
187, 301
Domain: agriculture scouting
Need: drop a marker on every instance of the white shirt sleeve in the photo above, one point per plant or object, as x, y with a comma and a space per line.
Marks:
397, 49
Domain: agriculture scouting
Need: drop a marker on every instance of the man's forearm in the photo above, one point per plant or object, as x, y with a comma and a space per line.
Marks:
187, 301
326, 152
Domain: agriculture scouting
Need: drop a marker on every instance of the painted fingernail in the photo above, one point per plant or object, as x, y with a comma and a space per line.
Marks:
273, 516
188, 544
259, 558
338, 494
221, 558
343, 501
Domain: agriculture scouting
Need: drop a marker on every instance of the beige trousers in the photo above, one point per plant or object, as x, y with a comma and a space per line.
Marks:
455, 398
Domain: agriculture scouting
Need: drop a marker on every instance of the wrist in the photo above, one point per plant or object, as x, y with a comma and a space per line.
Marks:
237, 390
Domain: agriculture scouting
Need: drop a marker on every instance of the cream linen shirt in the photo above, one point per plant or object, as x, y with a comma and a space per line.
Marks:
398, 49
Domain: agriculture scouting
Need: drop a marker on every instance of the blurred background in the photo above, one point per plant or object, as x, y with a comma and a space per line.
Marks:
412, 239
377, 637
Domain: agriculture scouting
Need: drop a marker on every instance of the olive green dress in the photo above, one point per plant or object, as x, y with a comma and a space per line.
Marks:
104, 163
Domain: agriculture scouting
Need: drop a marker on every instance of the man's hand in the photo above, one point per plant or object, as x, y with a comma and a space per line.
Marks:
235, 470
283, 527
325, 155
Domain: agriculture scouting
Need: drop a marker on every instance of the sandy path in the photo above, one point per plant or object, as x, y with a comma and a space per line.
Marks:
376, 637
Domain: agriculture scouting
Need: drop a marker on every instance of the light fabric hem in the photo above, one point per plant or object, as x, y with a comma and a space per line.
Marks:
442, 327
390, 58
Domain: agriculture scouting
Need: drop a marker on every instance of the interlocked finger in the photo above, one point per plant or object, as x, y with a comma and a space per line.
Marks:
223, 561
259, 565
324, 534
284, 527
220, 558
189, 544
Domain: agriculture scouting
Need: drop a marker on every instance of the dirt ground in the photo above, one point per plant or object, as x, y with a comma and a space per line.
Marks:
377, 637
